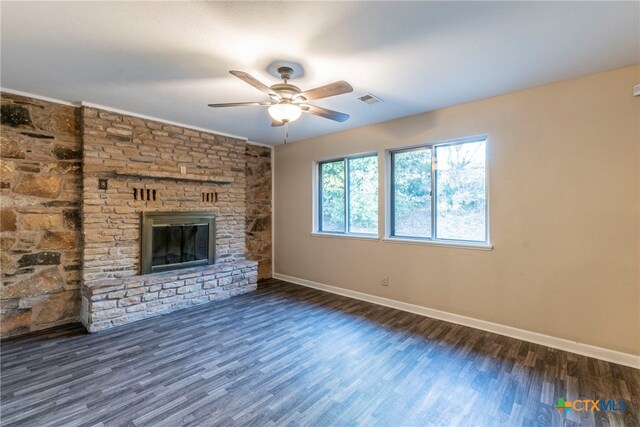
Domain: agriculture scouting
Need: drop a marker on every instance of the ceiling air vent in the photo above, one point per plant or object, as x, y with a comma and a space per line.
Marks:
370, 99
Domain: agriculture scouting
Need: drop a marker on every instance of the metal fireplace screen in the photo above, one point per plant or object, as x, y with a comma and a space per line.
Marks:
174, 240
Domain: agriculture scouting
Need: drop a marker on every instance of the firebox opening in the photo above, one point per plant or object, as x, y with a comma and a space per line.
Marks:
175, 240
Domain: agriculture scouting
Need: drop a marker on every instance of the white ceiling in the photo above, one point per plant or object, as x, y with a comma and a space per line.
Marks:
170, 59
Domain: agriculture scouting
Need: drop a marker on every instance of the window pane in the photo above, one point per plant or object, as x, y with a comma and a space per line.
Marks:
332, 198
412, 193
363, 195
460, 191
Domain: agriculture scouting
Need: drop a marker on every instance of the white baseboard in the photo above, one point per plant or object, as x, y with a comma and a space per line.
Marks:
521, 334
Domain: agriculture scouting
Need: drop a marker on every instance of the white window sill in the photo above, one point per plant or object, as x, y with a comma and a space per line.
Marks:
448, 244
346, 236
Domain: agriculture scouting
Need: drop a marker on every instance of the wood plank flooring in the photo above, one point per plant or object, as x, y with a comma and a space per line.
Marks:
289, 355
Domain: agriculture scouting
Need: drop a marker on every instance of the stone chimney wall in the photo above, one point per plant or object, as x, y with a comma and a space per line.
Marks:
58, 233
138, 154
40, 188
259, 215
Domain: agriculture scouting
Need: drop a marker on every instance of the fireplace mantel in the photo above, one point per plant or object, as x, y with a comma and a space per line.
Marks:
175, 176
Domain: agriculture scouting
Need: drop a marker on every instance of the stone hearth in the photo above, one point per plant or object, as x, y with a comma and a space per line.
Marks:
114, 302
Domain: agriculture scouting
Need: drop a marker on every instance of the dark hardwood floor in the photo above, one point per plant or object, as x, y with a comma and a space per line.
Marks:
288, 355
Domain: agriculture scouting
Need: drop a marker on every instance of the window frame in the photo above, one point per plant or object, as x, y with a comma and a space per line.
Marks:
390, 195
392, 210
317, 198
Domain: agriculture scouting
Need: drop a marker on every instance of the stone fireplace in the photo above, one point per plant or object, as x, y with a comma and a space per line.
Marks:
76, 184
164, 212
176, 240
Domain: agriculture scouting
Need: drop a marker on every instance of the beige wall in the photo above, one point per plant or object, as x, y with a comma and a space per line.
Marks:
564, 164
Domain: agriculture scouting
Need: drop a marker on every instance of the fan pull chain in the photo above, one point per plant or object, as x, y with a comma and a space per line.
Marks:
286, 132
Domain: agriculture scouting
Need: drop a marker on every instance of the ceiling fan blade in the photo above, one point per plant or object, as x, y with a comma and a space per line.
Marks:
240, 104
326, 113
253, 82
333, 89
275, 123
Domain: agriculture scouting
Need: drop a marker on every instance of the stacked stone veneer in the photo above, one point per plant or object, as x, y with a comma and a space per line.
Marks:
114, 302
258, 220
133, 153
40, 192
65, 240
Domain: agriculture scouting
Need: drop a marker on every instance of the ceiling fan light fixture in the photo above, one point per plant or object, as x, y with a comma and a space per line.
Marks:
285, 112
288, 102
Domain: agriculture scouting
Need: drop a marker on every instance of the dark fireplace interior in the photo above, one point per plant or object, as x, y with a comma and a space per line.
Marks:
174, 240
175, 244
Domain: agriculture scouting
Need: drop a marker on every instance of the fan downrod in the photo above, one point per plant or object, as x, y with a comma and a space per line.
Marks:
285, 73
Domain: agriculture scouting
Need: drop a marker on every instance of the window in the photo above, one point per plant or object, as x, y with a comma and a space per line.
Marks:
348, 195
438, 192
412, 193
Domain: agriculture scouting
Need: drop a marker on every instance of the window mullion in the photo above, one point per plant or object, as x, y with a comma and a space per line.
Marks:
392, 196
347, 220
320, 193
434, 204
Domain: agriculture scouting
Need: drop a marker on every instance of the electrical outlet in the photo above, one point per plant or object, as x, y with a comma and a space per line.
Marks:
385, 280
183, 170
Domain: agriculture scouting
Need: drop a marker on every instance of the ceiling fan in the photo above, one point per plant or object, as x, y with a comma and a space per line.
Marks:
288, 102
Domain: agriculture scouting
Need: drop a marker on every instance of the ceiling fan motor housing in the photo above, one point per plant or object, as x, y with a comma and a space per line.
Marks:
286, 90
